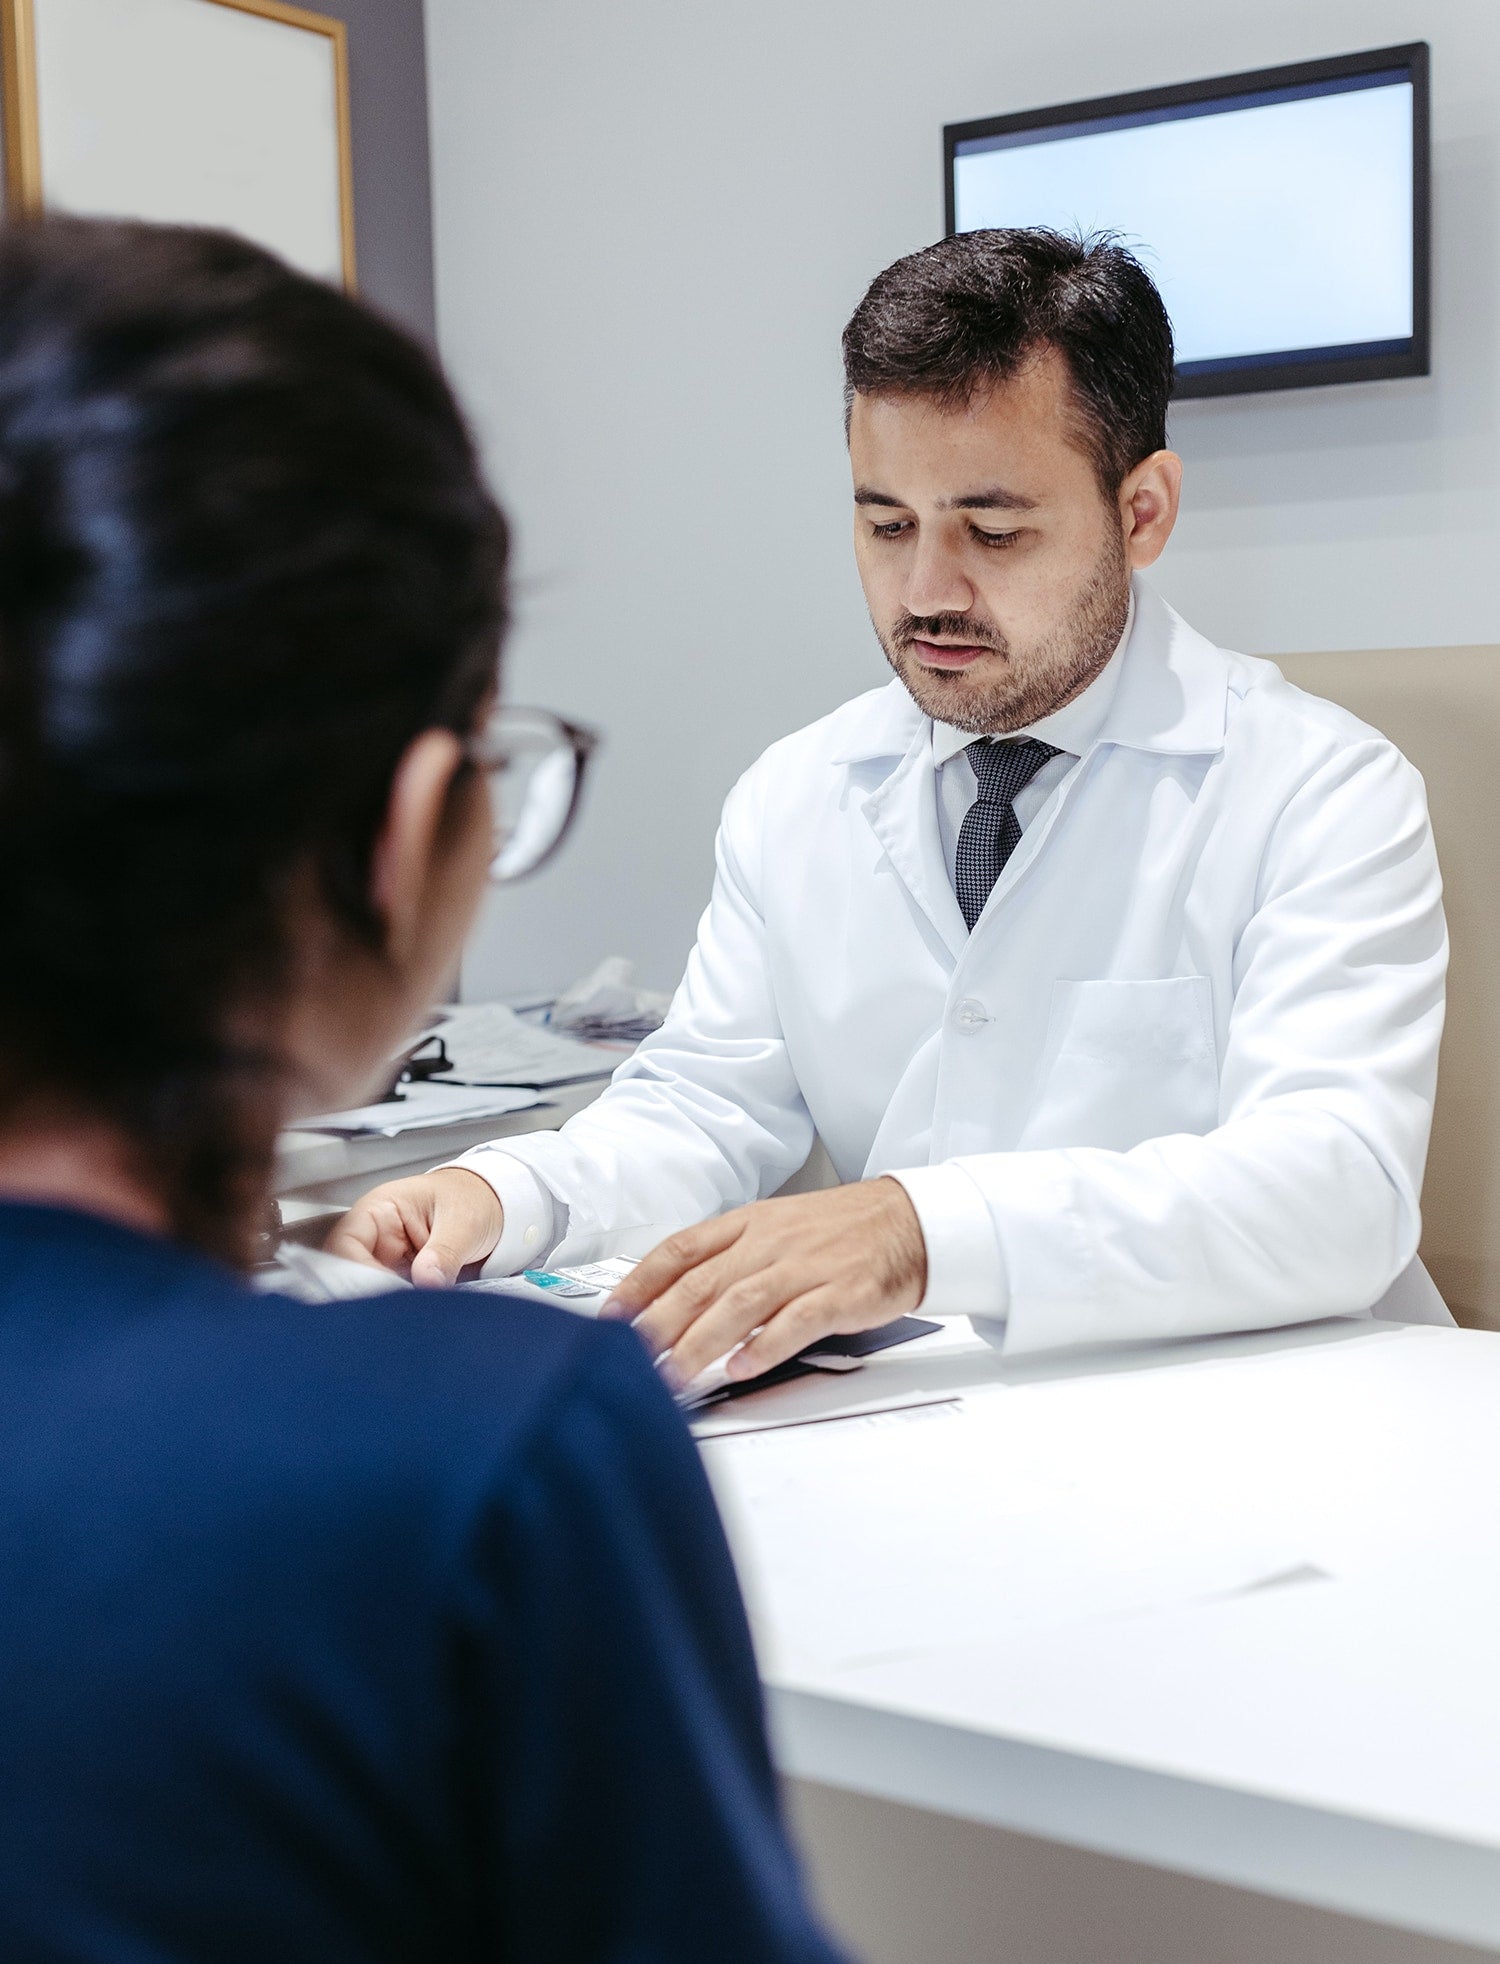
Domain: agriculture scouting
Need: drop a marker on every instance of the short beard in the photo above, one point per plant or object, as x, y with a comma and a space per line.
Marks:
1032, 685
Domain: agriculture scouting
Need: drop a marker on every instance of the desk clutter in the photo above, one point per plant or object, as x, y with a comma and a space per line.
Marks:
490, 1043
607, 1006
421, 1107
488, 1059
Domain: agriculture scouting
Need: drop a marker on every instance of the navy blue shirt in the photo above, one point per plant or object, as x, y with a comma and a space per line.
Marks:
379, 1630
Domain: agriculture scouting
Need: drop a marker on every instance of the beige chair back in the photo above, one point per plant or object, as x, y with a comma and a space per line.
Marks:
1441, 706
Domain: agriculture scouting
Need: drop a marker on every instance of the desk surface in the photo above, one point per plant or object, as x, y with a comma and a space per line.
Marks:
322, 1166
1229, 1608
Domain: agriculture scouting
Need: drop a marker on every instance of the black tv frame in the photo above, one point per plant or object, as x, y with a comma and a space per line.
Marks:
1295, 368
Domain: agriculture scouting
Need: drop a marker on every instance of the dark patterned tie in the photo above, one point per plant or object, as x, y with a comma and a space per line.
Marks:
991, 831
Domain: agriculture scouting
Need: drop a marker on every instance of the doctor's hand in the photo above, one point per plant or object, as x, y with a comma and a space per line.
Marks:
781, 1273
428, 1227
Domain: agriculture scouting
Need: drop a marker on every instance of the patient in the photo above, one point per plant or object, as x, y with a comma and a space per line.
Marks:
325, 1633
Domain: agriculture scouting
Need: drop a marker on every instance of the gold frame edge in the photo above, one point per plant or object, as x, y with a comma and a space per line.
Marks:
23, 144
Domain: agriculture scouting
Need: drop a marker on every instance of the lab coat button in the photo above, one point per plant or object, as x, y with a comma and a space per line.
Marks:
970, 1015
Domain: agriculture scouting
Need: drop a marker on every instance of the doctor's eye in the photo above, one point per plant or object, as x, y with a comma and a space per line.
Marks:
994, 538
892, 529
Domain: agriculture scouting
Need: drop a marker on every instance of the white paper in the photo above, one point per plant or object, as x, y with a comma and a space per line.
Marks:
932, 1370
607, 999
489, 1044
421, 1106
312, 1275
601, 1275
913, 1532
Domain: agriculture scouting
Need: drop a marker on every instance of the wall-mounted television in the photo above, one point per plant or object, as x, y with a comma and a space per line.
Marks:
1283, 213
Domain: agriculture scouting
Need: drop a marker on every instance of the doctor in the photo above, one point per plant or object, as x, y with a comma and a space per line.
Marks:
1107, 965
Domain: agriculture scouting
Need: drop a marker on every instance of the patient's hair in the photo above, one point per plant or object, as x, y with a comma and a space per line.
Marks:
964, 314
246, 555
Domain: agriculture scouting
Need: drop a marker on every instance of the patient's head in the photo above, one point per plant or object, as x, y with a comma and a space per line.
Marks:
251, 596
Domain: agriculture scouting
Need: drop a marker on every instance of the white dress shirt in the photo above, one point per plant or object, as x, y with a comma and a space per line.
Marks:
1177, 1079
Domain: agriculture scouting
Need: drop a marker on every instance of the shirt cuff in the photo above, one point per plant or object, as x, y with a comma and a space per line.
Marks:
529, 1233
965, 1262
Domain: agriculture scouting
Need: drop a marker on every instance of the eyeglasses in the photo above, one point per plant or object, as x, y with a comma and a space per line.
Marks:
534, 764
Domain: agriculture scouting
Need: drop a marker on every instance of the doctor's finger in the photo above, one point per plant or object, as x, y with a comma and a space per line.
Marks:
668, 1262
678, 1308
375, 1231
797, 1324
743, 1307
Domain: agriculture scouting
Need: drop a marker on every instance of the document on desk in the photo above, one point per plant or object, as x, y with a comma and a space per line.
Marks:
488, 1043
904, 1534
421, 1106
312, 1275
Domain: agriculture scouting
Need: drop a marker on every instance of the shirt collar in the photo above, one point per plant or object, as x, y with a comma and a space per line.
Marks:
1071, 728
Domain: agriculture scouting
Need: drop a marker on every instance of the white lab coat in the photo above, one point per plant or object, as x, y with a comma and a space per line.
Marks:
1178, 1079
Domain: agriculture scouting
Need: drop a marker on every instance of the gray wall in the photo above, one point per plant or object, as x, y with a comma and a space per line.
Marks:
392, 179
653, 217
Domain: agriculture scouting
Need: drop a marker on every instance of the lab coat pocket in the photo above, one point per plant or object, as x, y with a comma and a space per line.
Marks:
1126, 1061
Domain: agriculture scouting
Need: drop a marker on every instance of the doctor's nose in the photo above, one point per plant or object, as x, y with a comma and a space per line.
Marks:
936, 584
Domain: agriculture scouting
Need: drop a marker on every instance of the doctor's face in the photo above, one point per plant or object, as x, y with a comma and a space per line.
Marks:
996, 569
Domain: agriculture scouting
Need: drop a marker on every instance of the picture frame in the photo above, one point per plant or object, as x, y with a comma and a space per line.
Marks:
220, 112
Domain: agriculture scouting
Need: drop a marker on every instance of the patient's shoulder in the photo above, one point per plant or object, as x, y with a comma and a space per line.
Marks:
168, 1373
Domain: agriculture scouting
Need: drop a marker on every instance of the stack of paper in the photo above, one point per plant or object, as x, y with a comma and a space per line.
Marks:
606, 1006
489, 1044
419, 1107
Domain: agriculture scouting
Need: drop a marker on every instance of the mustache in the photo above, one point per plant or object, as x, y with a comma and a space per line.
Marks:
947, 627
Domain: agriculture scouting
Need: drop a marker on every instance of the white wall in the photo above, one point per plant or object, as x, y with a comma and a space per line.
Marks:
653, 218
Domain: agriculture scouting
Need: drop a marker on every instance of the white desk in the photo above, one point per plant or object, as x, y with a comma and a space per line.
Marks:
1333, 1741
319, 1169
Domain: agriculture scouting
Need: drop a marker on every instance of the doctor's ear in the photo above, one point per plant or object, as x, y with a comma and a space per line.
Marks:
1148, 502
419, 841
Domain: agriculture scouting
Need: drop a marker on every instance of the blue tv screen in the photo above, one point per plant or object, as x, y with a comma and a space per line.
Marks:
1282, 214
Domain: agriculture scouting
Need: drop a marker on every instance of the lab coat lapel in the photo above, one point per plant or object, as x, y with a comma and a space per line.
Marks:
1170, 699
902, 813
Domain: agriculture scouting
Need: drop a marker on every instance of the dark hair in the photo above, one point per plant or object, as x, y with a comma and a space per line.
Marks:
246, 555
966, 312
